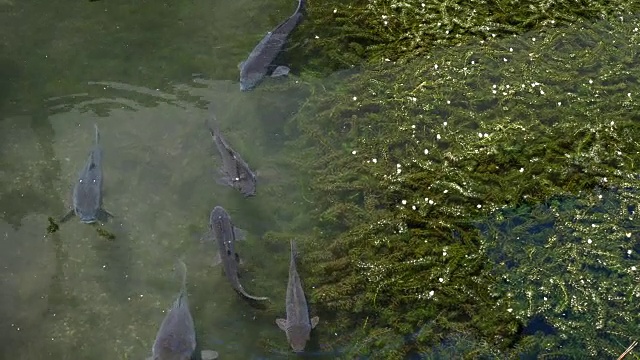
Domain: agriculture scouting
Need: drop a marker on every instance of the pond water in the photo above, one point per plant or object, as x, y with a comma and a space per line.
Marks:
145, 74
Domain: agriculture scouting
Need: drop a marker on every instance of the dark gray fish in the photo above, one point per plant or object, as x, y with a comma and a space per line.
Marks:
176, 338
297, 325
87, 192
260, 60
224, 233
236, 173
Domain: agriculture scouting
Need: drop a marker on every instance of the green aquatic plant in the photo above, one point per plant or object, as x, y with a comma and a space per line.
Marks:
53, 226
381, 30
106, 234
412, 164
573, 262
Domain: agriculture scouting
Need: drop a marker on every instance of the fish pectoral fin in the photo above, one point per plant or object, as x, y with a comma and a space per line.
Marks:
67, 216
217, 259
241, 64
240, 234
265, 175
104, 214
238, 273
208, 354
280, 71
314, 321
239, 260
282, 324
207, 236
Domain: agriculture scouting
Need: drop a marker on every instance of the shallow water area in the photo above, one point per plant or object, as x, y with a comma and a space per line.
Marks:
160, 168
145, 75
479, 199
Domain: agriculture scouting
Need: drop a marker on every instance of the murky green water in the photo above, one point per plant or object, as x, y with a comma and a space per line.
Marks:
144, 73
403, 157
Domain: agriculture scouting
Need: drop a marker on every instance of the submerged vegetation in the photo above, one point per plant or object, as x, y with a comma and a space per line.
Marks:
402, 30
481, 200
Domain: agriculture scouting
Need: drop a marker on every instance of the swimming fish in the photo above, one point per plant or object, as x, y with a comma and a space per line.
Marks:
297, 325
224, 233
87, 192
258, 63
176, 338
236, 172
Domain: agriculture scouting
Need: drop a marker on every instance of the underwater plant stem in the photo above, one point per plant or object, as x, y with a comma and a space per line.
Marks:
628, 350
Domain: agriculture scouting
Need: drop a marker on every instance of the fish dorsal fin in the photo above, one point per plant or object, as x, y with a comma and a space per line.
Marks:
92, 165
217, 259
239, 234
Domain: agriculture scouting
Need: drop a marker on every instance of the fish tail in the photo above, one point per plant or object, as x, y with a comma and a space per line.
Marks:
212, 122
294, 255
250, 297
302, 4
97, 134
96, 153
183, 271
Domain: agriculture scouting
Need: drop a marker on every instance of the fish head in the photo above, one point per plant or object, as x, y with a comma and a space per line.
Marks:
87, 216
88, 219
86, 199
218, 217
298, 337
221, 228
250, 80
